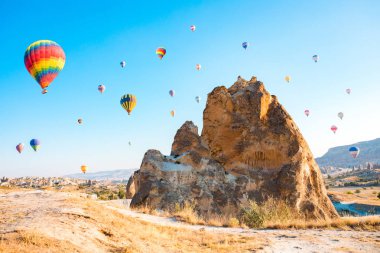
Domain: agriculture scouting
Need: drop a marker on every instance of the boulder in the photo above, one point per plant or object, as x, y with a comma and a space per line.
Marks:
250, 149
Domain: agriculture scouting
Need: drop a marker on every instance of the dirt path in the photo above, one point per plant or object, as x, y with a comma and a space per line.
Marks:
53, 214
279, 240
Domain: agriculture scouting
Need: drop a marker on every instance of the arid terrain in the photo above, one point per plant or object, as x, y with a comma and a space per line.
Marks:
51, 221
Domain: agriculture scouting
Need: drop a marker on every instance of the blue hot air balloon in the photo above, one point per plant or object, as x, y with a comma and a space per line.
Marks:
245, 45
35, 144
354, 151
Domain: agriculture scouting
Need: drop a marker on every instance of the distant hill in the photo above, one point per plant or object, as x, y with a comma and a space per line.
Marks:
112, 175
340, 157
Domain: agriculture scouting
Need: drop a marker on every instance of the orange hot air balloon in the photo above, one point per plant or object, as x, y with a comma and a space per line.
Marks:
172, 113
83, 168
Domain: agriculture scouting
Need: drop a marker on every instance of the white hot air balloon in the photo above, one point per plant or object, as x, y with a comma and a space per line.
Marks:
340, 115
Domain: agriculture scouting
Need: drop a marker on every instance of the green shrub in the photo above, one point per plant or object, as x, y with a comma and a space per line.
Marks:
252, 216
349, 192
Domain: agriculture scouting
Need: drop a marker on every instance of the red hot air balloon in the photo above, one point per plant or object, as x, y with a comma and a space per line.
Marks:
334, 128
101, 88
20, 147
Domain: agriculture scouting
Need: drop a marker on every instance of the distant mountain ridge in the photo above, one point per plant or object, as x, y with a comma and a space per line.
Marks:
340, 157
112, 175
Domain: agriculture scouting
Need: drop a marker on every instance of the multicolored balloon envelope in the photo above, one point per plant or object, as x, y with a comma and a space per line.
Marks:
334, 128
44, 59
35, 144
160, 52
101, 88
354, 151
83, 168
128, 102
20, 147
245, 45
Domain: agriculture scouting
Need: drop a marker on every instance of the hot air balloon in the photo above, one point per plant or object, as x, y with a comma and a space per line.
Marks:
44, 59
307, 113
171, 93
172, 112
192, 28
80, 121
198, 66
354, 151
83, 168
44, 91
340, 115
245, 45
348, 91
160, 52
334, 128
288, 78
122, 64
315, 58
128, 102
129, 143
101, 88
20, 147
198, 99
35, 144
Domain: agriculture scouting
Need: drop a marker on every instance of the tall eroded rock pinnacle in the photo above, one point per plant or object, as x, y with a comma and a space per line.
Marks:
250, 149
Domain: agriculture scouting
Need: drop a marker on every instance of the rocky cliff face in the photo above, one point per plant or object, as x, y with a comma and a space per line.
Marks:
250, 149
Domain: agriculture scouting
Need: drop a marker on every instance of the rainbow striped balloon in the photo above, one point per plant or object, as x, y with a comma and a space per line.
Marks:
160, 52
44, 59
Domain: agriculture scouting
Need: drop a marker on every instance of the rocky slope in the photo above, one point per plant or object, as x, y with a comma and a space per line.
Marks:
250, 149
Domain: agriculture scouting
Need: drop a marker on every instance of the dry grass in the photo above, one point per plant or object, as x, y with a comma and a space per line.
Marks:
33, 242
272, 214
141, 236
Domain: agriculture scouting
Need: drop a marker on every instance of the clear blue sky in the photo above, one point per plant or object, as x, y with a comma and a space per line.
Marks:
97, 35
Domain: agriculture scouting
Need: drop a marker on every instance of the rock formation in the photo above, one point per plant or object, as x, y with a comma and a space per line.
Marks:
250, 149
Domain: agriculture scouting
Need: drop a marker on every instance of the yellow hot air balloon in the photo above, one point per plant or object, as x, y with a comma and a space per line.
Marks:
83, 168
287, 78
128, 102
172, 113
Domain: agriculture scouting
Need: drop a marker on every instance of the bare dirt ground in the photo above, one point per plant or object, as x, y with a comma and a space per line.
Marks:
48, 221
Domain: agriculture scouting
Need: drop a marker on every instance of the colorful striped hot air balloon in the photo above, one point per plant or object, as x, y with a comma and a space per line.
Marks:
44, 59
192, 28
160, 52
101, 88
354, 151
128, 102
20, 147
35, 144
